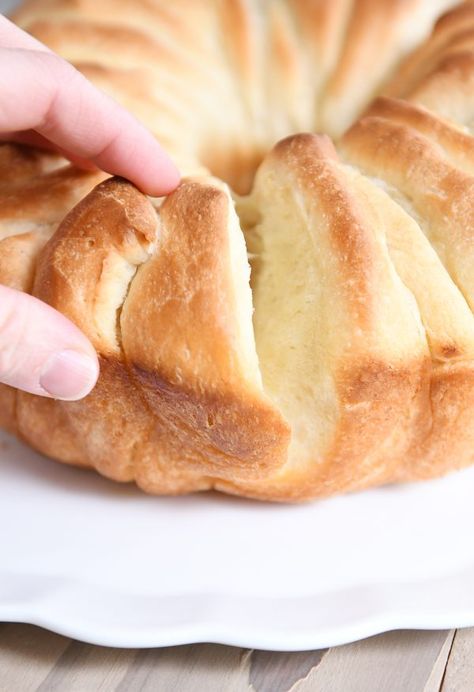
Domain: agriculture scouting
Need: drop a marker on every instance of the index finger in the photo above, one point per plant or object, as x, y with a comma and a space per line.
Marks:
42, 92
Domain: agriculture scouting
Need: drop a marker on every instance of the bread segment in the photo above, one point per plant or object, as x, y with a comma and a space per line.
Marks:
451, 137
341, 346
451, 36
114, 225
423, 180
187, 335
419, 164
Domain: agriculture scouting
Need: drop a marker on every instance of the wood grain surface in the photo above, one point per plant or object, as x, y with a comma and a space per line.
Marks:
32, 659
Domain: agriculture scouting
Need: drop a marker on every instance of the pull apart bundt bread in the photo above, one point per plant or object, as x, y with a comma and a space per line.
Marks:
344, 358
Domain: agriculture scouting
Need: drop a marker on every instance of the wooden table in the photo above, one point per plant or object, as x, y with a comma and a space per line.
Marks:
408, 661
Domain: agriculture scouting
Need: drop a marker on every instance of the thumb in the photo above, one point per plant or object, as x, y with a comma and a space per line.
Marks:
41, 351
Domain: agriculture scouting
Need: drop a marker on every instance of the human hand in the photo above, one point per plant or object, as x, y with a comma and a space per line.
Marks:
45, 102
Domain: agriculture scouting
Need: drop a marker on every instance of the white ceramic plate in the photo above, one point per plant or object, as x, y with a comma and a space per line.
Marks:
107, 564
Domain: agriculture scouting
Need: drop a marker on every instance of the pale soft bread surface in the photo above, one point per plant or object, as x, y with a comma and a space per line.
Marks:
343, 310
348, 361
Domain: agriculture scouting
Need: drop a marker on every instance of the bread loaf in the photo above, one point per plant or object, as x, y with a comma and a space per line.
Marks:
296, 319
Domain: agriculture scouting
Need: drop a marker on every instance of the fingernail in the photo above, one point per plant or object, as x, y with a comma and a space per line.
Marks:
68, 375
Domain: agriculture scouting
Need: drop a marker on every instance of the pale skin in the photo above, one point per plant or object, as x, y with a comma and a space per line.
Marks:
44, 101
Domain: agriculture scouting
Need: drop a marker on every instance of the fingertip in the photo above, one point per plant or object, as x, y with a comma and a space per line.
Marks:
69, 374
143, 162
42, 352
162, 182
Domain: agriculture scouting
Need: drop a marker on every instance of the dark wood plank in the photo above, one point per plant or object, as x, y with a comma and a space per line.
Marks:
84, 667
208, 667
391, 662
459, 675
27, 656
278, 672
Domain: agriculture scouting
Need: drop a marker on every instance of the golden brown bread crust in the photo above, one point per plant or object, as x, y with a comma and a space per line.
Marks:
439, 74
427, 168
451, 34
113, 221
362, 280
456, 143
169, 427
19, 164
425, 181
179, 335
372, 439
